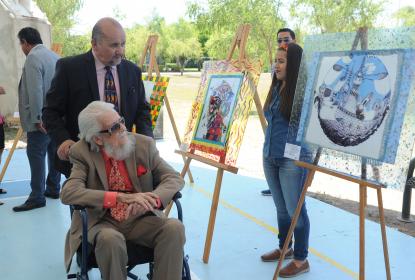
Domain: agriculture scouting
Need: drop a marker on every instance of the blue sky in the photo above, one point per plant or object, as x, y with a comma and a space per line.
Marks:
140, 11
134, 11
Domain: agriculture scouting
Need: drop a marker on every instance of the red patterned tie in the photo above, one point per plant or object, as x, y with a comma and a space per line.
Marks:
117, 183
110, 93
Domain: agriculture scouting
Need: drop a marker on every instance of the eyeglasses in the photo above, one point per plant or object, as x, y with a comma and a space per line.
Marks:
115, 127
285, 40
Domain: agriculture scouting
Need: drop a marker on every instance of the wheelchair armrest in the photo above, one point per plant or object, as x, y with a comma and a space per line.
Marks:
77, 207
177, 195
176, 201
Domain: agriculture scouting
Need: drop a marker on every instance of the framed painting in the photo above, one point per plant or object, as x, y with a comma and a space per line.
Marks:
352, 105
155, 89
242, 107
379, 93
216, 113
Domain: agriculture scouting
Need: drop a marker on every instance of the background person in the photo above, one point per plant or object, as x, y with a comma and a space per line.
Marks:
100, 74
284, 178
37, 75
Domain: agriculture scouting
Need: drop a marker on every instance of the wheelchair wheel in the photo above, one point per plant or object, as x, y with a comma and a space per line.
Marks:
186, 269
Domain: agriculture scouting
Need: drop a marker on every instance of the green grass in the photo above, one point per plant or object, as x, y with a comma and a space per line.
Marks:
185, 87
182, 90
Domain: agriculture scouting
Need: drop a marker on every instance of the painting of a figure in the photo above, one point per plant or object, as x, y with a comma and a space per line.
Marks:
216, 114
352, 102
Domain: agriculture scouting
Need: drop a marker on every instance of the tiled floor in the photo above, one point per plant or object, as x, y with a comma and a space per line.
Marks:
32, 242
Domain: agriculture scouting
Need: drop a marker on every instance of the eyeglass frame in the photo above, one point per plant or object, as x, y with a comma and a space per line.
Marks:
285, 40
116, 126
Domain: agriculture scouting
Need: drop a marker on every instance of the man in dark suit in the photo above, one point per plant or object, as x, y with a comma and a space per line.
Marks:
99, 74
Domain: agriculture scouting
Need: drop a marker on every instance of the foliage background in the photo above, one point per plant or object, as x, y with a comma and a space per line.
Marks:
208, 29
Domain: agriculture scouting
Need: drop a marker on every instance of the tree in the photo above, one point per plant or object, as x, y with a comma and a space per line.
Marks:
222, 18
328, 16
157, 25
136, 37
76, 44
406, 16
60, 14
183, 44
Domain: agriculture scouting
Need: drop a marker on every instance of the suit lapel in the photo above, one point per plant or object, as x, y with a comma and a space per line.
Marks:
92, 74
100, 167
123, 86
131, 165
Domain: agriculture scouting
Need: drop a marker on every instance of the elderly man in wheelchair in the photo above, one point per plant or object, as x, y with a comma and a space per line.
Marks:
124, 185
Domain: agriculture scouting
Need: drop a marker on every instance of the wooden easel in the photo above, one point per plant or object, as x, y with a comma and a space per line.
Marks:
150, 48
9, 156
240, 42
363, 185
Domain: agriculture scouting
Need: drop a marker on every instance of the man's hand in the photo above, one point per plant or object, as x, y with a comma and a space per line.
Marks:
147, 200
63, 150
2, 91
41, 128
135, 209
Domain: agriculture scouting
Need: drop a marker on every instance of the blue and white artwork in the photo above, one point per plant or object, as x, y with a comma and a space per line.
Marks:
352, 102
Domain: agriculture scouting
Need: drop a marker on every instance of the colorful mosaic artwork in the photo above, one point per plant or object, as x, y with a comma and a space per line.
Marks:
159, 88
232, 144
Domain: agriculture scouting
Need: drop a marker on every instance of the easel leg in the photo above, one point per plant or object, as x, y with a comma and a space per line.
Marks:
383, 229
212, 217
294, 221
168, 208
362, 198
176, 133
182, 174
9, 156
185, 167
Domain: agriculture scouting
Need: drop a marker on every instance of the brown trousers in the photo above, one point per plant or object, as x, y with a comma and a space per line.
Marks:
165, 235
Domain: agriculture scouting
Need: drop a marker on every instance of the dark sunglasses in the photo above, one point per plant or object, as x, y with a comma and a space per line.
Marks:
114, 127
285, 40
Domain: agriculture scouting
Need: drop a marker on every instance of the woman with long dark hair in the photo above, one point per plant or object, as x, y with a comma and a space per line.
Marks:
284, 178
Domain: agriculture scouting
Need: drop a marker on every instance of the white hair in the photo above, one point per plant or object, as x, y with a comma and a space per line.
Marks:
90, 123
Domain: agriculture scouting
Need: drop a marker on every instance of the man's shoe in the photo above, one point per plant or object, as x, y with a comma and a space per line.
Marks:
28, 206
266, 193
52, 195
291, 270
275, 255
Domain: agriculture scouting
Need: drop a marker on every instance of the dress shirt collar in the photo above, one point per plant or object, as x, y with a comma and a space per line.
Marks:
37, 46
99, 65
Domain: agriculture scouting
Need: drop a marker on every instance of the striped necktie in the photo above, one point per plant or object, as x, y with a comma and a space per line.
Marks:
110, 93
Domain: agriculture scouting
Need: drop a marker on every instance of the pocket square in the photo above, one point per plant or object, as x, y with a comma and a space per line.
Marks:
141, 170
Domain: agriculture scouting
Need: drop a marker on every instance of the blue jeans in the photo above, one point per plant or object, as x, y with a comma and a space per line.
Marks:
286, 181
38, 144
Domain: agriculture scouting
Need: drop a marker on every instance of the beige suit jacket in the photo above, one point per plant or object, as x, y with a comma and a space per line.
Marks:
88, 182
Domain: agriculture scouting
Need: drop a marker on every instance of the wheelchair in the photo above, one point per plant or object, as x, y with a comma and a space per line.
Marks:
137, 254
